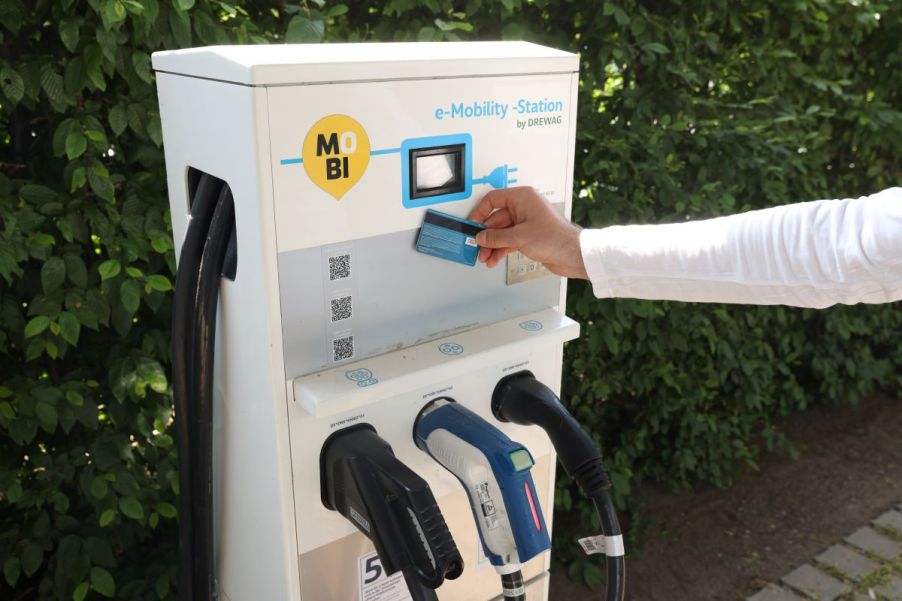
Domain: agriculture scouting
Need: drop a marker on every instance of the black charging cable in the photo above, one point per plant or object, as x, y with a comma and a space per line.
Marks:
521, 399
209, 247
512, 586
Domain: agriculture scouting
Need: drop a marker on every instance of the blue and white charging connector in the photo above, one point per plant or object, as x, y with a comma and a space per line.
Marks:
495, 472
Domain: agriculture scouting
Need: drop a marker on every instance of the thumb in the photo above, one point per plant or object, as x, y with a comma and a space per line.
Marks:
499, 238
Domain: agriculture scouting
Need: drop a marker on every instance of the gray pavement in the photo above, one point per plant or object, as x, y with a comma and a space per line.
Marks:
865, 566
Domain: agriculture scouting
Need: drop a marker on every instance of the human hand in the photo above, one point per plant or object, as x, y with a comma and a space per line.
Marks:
520, 219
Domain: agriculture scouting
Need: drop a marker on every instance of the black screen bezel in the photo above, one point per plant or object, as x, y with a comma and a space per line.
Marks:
457, 185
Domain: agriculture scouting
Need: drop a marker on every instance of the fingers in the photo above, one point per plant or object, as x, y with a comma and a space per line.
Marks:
497, 256
500, 218
499, 238
496, 199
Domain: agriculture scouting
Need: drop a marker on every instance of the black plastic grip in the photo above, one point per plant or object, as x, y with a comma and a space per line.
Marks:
394, 507
521, 399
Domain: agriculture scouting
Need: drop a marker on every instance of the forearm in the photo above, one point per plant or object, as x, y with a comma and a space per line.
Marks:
810, 254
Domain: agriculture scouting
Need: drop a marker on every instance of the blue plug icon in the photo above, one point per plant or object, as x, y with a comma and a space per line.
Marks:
499, 177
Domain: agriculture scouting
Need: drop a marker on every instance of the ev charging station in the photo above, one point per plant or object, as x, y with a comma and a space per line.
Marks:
333, 155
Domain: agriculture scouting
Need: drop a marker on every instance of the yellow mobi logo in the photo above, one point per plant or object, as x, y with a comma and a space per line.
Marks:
336, 152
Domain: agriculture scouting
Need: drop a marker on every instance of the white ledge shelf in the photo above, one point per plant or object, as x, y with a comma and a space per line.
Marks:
370, 380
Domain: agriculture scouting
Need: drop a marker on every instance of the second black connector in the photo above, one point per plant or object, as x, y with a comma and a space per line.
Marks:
363, 480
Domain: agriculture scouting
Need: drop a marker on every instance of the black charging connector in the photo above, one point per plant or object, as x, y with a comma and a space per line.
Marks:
521, 399
361, 478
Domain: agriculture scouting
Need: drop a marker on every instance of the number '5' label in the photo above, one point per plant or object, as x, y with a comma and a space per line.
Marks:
376, 585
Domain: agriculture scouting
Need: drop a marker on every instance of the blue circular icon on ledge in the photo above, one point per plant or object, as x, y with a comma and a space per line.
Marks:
531, 325
359, 375
450, 348
362, 376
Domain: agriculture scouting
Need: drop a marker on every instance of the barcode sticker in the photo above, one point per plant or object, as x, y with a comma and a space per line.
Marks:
340, 267
612, 546
343, 348
342, 308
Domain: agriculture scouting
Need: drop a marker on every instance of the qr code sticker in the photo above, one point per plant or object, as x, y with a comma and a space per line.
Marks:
342, 348
339, 267
342, 308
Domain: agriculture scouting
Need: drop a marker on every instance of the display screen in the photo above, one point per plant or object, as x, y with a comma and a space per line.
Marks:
436, 171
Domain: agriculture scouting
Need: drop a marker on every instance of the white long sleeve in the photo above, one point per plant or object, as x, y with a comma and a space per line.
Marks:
812, 254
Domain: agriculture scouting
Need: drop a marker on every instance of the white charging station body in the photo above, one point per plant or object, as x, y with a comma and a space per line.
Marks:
334, 319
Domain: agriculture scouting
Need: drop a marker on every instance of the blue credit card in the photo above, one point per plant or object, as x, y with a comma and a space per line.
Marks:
449, 237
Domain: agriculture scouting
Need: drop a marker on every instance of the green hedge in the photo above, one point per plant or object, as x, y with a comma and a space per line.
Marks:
685, 110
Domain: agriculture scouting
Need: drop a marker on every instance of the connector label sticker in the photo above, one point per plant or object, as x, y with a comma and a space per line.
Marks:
376, 585
364, 523
489, 513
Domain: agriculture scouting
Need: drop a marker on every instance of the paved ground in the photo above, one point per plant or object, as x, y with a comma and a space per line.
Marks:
865, 566
709, 544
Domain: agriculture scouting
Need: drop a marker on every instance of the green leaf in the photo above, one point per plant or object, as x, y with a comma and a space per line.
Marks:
184, 4
131, 507
75, 398
302, 29
52, 83
76, 144
69, 327
81, 591
69, 35
47, 416
99, 489
159, 282
14, 492
162, 586
118, 119
155, 129
141, 64
167, 510
100, 184
53, 274
158, 382
12, 567
336, 10
102, 582
96, 136
35, 348
113, 11
37, 194
36, 325
107, 517
180, 25
93, 59
79, 178
130, 295
11, 83
76, 270
656, 48
60, 502
32, 556
109, 269
7, 411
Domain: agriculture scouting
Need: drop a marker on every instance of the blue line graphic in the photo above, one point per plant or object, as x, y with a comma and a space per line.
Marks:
298, 160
